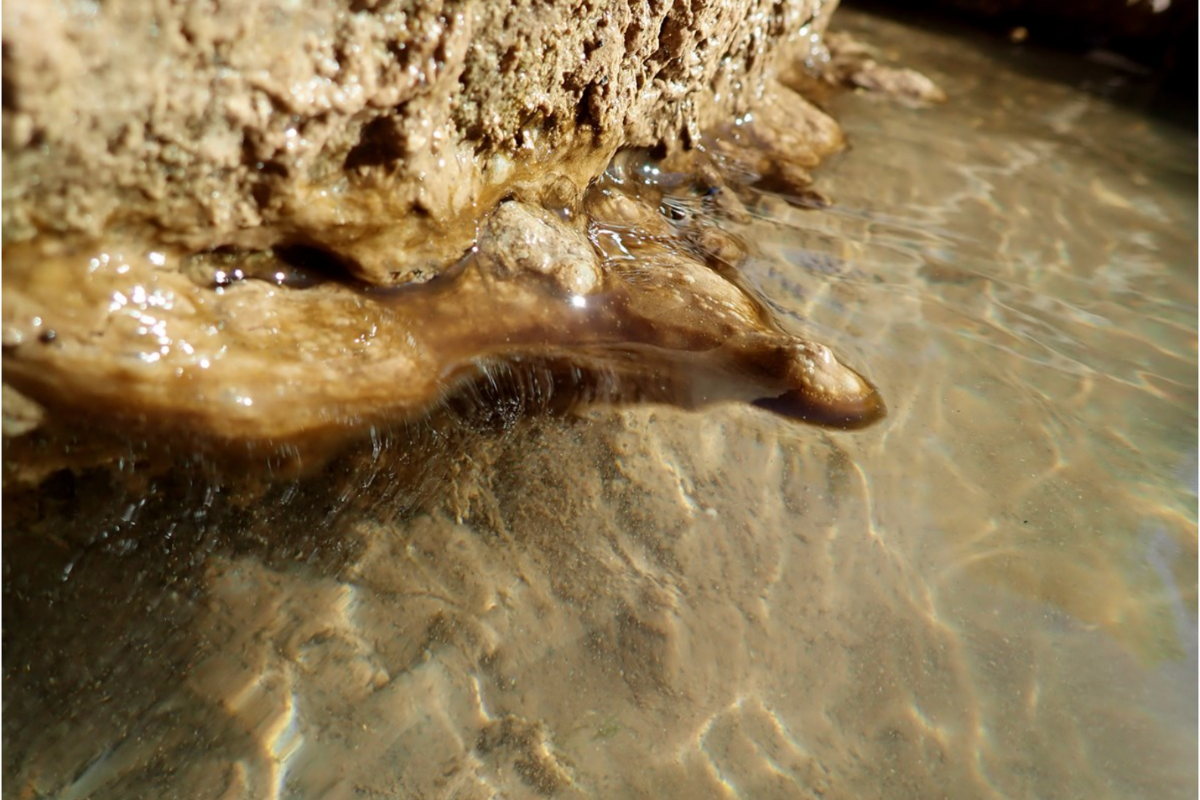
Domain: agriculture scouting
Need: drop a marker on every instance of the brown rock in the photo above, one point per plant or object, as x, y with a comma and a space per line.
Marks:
378, 130
164, 281
855, 64
521, 239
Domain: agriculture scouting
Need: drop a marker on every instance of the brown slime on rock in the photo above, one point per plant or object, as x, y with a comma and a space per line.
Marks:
646, 339
626, 291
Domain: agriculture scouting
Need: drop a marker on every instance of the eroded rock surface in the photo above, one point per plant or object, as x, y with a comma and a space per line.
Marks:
378, 130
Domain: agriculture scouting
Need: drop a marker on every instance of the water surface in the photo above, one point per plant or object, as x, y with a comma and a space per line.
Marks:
990, 594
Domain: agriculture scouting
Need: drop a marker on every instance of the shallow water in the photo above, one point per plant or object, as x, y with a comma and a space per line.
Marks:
991, 594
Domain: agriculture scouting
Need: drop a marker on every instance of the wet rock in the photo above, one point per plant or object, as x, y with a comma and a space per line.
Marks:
378, 130
548, 184
854, 63
520, 239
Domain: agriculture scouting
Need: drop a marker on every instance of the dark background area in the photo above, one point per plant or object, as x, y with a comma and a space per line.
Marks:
1153, 53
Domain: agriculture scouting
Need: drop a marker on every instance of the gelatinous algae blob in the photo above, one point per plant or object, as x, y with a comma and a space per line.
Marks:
627, 290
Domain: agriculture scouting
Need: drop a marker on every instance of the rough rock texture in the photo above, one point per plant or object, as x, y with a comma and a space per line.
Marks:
378, 130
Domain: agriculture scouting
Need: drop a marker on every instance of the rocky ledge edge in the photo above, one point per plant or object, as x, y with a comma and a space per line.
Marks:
267, 229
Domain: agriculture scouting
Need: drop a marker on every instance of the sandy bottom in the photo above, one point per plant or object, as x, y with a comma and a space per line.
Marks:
990, 594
